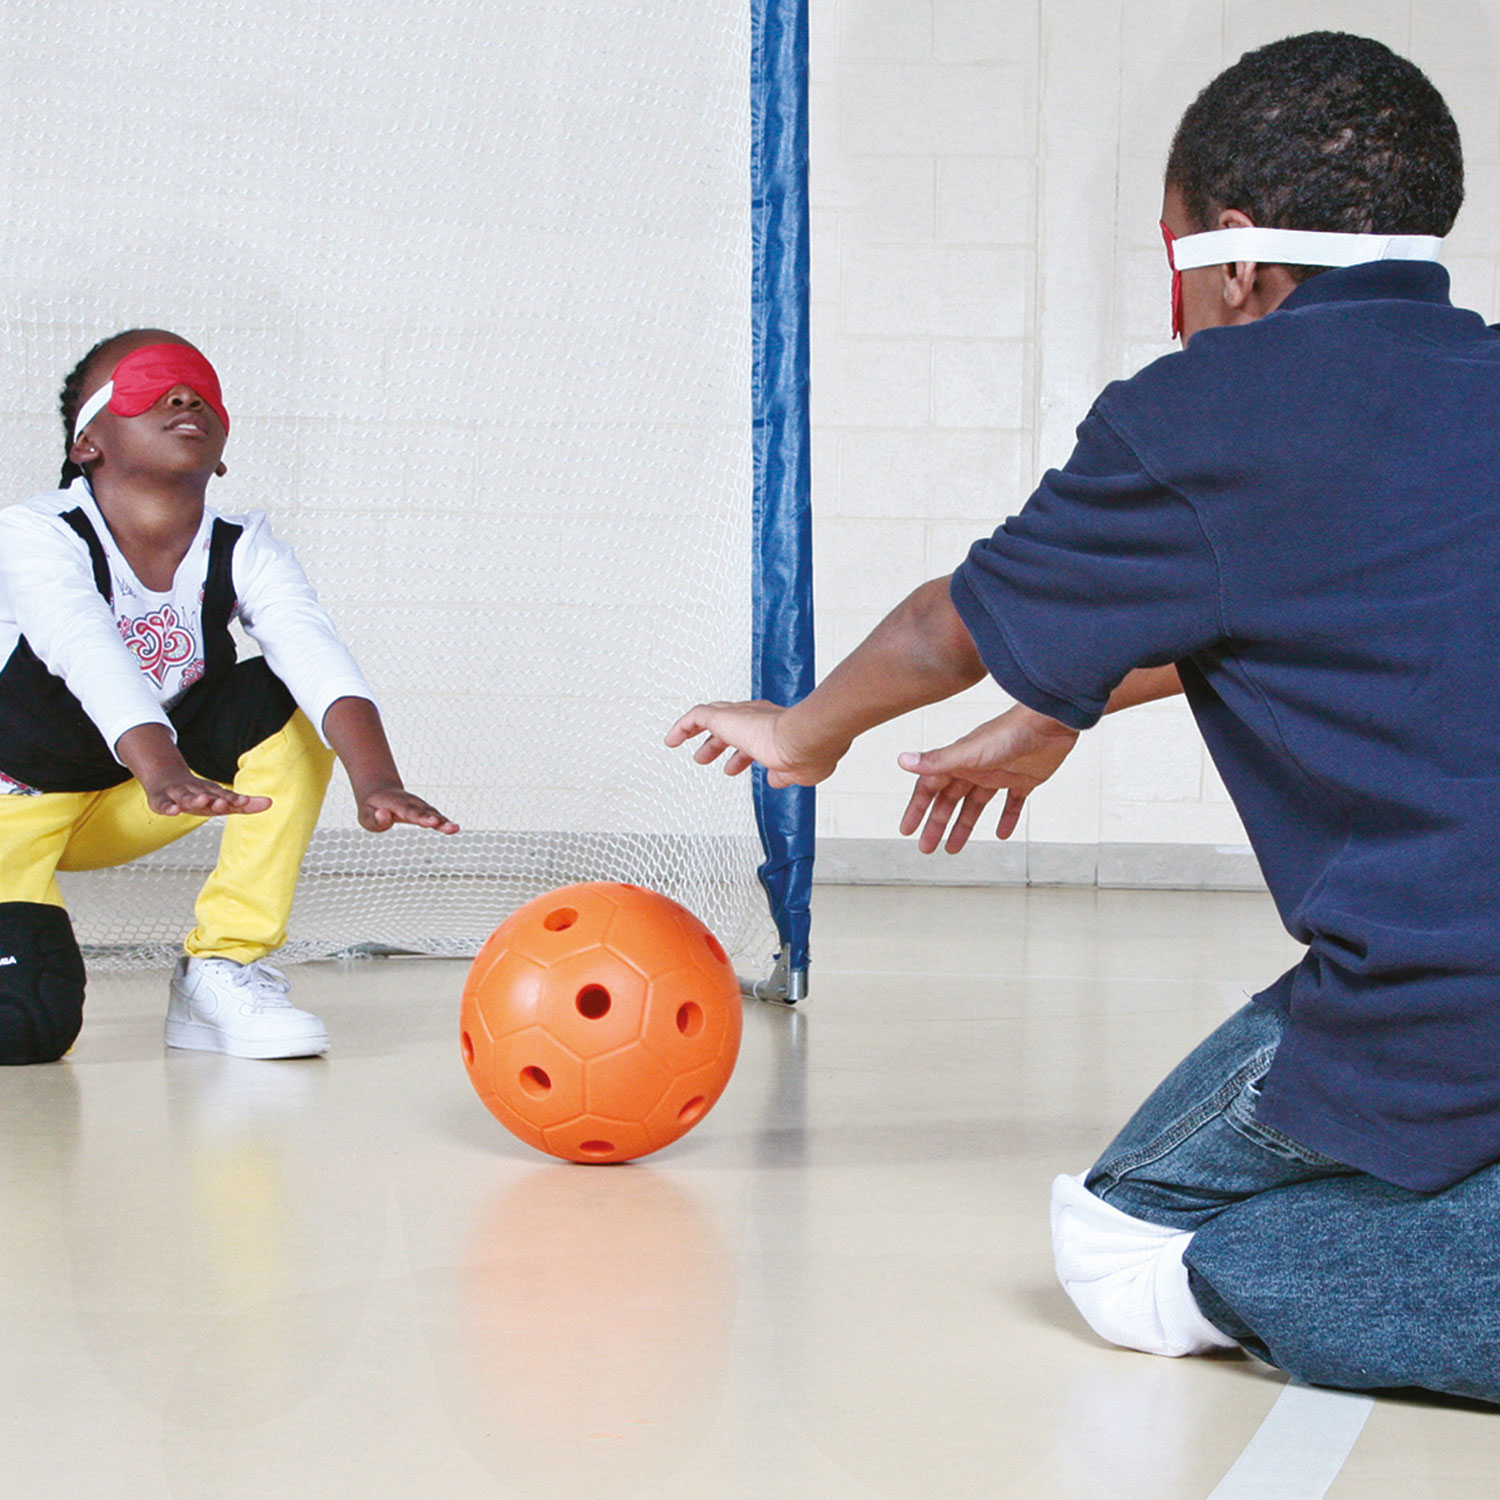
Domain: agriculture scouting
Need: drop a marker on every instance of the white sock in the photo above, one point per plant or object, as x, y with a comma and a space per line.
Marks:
1126, 1276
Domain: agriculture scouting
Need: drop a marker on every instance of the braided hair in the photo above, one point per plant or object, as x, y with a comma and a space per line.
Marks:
71, 398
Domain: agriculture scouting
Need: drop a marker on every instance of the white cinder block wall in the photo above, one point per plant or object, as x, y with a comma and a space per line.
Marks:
986, 184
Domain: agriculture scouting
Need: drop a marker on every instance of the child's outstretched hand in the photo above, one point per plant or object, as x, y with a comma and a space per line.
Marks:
1015, 753
353, 728
150, 753
751, 732
191, 794
386, 806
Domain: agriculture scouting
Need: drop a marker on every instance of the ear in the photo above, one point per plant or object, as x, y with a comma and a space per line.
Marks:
1251, 290
83, 449
1237, 279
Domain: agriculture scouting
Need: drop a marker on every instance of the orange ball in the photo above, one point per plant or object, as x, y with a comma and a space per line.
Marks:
600, 1022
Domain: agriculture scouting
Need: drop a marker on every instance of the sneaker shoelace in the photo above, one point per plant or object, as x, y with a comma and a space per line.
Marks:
267, 986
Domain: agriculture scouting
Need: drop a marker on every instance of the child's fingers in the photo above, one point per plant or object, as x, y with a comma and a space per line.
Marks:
710, 750
171, 804
431, 818
921, 799
208, 800
947, 761
439, 824
241, 802
968, 817
942, 810
383, 815
696, 720
689, 725
1011, 814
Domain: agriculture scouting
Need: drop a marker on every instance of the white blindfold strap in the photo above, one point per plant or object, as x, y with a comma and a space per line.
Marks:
1298, 247
92, 407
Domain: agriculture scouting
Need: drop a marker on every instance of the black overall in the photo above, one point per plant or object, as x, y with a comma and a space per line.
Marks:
48, 742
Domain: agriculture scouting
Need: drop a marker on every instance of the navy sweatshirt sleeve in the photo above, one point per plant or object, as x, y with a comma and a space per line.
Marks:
1104, 570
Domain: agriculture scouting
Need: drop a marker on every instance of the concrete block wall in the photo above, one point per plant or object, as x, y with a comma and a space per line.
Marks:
986, 184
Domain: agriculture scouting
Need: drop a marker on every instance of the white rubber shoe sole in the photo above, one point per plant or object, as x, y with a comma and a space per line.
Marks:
205, 1036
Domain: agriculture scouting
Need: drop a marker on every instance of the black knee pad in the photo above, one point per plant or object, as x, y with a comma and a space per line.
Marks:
41, 983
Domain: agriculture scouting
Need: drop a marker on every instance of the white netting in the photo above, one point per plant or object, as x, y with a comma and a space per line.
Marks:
476, 280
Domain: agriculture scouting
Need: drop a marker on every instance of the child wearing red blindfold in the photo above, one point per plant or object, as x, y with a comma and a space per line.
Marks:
126, 720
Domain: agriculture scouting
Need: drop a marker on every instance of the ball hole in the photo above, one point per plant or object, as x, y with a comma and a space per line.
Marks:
690, 1018
468, 1046
598, 1148
693, 1110
716, 947
560, 920
536, 1082
593, 1002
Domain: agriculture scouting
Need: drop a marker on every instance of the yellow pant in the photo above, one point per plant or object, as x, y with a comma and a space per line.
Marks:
244, 904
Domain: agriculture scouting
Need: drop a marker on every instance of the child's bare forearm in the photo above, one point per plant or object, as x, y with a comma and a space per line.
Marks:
150, 754
1144, 685
353, 728
920, 653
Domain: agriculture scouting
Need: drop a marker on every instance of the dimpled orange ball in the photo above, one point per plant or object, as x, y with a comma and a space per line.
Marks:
600, 1022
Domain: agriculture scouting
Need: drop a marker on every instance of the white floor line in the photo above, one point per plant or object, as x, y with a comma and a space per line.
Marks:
1298, 1450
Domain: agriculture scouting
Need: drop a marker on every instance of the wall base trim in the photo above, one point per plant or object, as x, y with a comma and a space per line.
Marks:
1191, 867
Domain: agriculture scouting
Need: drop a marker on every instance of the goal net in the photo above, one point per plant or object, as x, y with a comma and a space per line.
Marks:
476, 280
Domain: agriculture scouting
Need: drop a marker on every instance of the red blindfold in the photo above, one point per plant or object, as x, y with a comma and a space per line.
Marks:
145, 375
1171, 240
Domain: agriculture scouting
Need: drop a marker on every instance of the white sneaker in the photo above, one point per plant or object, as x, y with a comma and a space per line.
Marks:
218, 1005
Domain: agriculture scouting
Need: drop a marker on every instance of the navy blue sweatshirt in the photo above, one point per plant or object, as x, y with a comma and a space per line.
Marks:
1303, 513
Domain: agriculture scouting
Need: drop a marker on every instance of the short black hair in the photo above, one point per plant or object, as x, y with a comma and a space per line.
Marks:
1323, 131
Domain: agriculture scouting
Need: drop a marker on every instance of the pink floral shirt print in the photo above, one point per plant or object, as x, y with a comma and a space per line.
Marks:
163, 646
164, 631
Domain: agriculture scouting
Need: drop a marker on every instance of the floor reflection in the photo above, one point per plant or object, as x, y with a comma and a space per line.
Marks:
781, 1140
207, 1250
593, 1326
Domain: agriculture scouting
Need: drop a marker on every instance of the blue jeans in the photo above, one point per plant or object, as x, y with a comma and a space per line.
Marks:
1330, 1274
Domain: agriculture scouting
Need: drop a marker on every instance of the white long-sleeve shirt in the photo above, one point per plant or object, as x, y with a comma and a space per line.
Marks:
128, 661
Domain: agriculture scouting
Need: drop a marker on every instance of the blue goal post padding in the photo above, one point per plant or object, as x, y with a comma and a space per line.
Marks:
782, 665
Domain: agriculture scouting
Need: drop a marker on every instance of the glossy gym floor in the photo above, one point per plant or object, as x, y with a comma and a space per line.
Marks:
339, 1277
